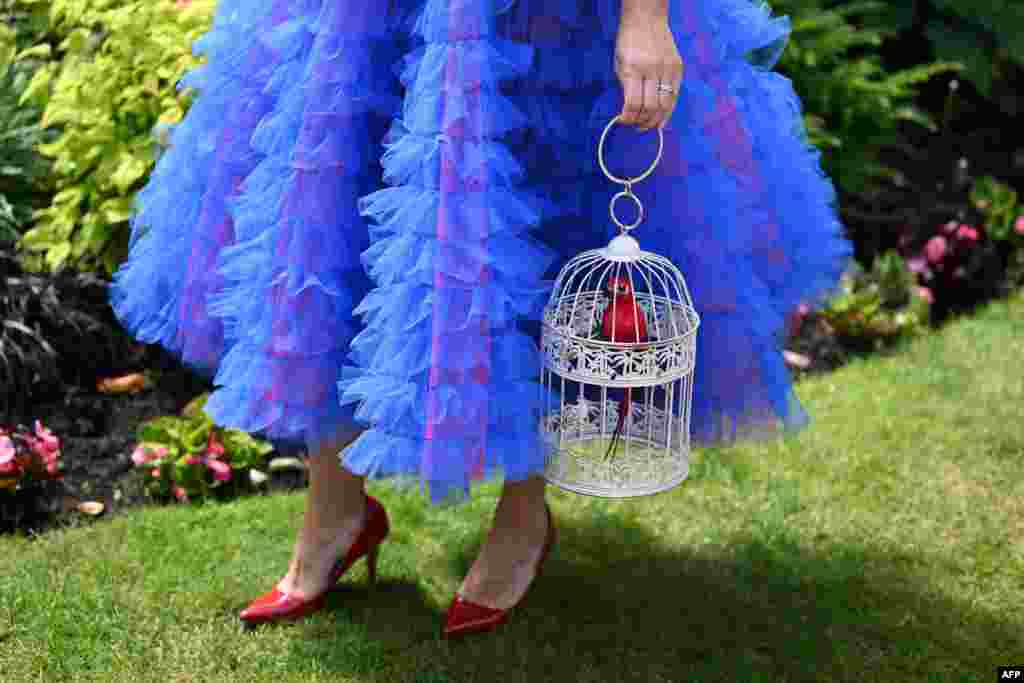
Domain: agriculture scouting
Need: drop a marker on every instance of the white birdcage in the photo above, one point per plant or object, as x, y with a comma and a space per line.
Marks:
583, 356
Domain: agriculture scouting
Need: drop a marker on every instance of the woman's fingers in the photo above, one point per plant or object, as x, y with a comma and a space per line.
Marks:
669, 100
646, 57
654, 101
633, 96
646, 106
643, 106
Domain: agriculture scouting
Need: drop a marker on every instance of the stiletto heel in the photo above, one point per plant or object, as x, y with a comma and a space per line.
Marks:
466, 616
276, 605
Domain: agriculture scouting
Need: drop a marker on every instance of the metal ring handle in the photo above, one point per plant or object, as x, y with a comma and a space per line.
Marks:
600, 158
611, 210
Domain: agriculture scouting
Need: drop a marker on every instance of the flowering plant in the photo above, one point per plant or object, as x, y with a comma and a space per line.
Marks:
188, 457
972, 255
962, 263
945, 252
1004, 219
877, 305
1004, 222
27, 457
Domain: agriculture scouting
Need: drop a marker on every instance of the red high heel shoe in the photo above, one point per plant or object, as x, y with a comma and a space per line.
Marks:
276, 605
466, 616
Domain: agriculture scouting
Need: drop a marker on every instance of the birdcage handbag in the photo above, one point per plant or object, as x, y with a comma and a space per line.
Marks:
618, 348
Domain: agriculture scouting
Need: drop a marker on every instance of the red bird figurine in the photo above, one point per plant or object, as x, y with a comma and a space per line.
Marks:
624, 321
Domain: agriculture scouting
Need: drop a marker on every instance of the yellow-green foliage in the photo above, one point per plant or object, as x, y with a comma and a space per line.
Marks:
111, 80
7, 48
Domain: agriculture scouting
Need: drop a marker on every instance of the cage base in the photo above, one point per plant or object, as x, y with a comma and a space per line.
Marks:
581, 466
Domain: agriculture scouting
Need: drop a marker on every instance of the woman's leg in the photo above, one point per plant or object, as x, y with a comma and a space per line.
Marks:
505, 567
334, 516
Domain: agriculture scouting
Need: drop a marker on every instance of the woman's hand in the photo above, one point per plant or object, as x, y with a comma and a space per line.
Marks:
646, 55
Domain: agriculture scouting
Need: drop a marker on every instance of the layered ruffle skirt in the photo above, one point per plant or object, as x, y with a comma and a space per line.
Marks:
359, 221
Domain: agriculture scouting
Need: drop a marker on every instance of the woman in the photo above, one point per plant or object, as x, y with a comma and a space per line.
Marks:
371, 317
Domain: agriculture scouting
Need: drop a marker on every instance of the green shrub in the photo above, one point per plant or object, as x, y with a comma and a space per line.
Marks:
852, 107
110, 80
986, 36
25, 181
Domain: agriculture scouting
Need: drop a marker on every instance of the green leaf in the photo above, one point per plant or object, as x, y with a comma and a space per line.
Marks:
38, 88
1000, 230
39, 238
93, 236
194, 408
75, 42
54, 148
128, 171
841, 303
41, 51
116, 210
72, 195
164, 430
196, 436
58, 255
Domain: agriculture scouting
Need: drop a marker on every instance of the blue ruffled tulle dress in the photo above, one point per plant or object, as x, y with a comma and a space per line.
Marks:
360, 219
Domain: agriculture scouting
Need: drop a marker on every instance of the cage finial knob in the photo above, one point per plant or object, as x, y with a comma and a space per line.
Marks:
623, 248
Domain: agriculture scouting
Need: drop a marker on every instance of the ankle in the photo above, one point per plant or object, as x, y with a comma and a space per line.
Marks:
523, 497
522, 508
338, 514
530, 518
333, 508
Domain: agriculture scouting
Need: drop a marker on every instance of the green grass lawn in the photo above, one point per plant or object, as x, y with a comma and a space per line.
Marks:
882, 544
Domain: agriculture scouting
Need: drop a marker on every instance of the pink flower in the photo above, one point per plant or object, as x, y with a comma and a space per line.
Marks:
968, 233
926, 294
50, 442
8, 465
42, 450
935, 249
145, 454
1018, 225
141, 455
6, 449
50, 459
192, 460
180, 494
214, 447
950, 227
917, 264
221, 470
155, 473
